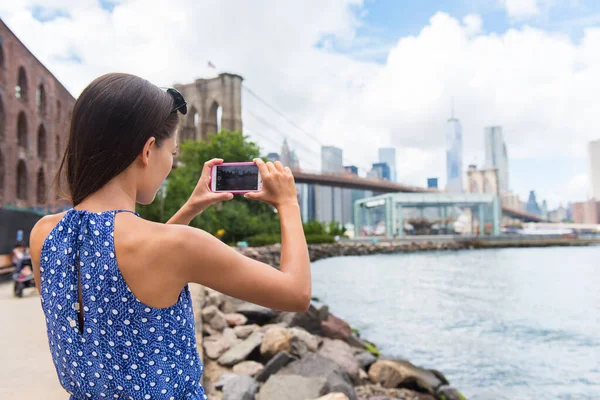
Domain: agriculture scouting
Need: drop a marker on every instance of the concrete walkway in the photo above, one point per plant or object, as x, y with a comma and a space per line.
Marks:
26, 368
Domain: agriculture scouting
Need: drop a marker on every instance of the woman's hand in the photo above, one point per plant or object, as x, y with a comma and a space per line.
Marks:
202, 197
278, 187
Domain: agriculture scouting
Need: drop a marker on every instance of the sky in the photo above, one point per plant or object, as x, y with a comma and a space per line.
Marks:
360, 74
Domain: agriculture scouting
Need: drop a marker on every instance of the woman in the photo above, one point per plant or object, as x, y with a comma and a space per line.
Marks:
114, 286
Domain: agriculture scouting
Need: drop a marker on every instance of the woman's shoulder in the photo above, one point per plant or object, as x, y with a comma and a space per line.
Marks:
42, 229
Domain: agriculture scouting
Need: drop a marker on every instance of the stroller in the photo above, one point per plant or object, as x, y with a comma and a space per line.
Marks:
23, 281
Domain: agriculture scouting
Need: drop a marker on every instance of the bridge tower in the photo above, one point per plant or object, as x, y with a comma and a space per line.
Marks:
213, 104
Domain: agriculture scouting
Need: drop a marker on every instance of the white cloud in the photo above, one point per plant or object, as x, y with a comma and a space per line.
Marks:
520, 8
540, 86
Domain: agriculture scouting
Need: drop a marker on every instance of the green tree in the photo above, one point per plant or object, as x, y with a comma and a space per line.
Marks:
240, 218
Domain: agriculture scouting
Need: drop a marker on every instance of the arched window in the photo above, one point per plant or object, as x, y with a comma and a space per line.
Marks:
40, 100
22, 130
213, 120
21, 181
41, 142
21, 89
1, 178
2, 120
41, 187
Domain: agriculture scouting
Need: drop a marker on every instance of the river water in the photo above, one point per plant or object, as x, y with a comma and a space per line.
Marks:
500, 324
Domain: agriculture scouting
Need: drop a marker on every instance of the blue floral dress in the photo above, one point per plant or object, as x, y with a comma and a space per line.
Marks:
125, 349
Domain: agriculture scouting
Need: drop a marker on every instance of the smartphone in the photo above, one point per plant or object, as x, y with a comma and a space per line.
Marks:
241, 177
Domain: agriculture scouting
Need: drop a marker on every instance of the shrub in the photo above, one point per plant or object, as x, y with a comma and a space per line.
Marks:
263, 239
319, 238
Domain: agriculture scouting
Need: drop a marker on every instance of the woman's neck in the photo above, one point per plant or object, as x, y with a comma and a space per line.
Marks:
118, 194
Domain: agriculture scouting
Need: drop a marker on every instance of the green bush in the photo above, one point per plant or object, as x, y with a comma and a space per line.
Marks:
263, 239
322, 238
314, 228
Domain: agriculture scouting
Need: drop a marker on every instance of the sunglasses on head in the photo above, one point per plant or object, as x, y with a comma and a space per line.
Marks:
179, 103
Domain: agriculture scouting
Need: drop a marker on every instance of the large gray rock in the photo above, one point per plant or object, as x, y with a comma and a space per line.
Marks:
256, 314
403, 374
212, 316
216, 345
243, 332
313, 365
292, 387
340, 353
274, 365
241, 387
251, 368
365, 359
226, 376
376, 392
310, 321
240, 351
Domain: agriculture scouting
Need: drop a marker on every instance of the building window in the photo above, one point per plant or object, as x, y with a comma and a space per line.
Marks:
40, 100
22, 130
41, 187
21, 89
42, 143
21, 181
58, 111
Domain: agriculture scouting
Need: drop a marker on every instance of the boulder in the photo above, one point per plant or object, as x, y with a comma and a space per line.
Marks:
256, 314
235, 319
243, 332
213, 372
312, 342
310, 321
313, 365
449, 393
275, 340
298, 347
292, 387
403, 374
376, 392
224, 378
213, 298
248, 368
216, 345
240, 351
241, 387
333, 396
336, 328
341, 353
212, 316
274, 365
365, 359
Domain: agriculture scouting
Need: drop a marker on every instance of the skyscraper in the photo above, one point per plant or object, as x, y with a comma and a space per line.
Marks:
454, 167
496, 155
532, 206
288, 157
594, 163
331, 159
388, 155
380, 170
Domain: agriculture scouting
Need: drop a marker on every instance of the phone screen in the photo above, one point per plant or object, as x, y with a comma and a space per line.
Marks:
237, 177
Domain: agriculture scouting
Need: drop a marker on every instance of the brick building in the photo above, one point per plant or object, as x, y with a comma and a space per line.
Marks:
34, 113
586, 212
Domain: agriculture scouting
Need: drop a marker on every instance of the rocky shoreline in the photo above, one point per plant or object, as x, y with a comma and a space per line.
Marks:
255, 353
270, 254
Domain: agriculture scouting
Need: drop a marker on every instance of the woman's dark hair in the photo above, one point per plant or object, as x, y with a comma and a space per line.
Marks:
111, 121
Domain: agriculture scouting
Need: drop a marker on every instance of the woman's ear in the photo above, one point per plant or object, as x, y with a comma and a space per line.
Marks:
145, 156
